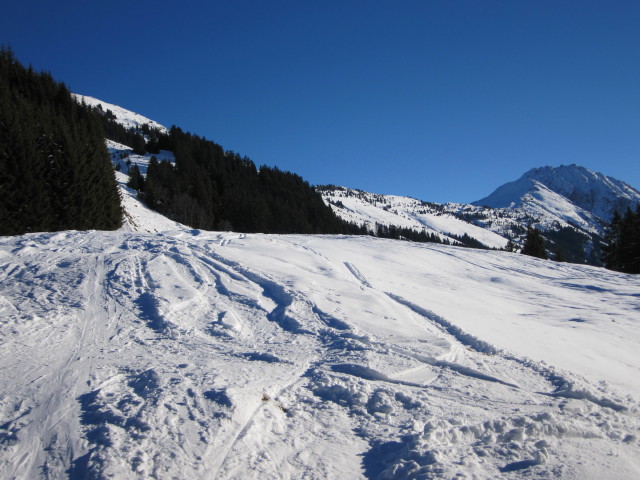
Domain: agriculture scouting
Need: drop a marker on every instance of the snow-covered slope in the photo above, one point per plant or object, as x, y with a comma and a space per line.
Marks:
365, 208
191, 354
569, 193
123, 116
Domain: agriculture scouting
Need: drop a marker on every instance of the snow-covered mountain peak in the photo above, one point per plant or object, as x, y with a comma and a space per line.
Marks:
577, 191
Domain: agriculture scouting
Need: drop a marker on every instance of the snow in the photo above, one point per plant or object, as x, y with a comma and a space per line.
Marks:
123, 116
368, 209
568, 193
542, 201
121, 154
159, 351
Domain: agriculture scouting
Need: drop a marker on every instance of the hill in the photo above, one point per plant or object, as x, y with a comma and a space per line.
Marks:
193, 354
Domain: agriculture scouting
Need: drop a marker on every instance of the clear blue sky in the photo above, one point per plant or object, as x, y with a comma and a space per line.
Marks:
443, 100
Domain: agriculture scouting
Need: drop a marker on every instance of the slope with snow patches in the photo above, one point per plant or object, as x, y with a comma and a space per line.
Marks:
124, 157
191, 354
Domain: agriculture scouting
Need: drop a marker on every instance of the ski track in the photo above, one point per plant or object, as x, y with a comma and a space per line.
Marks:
167, 355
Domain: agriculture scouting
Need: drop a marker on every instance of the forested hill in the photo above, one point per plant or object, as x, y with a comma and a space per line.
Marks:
213, 189
55, 172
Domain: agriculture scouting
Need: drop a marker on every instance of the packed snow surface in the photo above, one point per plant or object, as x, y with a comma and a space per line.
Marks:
158, 351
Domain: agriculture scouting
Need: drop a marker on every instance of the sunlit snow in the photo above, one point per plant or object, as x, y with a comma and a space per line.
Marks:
159, 351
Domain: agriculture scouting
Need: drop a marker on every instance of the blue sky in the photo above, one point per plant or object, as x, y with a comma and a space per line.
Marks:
442, 100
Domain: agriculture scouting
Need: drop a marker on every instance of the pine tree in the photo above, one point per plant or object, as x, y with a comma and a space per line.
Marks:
534, 244
622, 252
136, 180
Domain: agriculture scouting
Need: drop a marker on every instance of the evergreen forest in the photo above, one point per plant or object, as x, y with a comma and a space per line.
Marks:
622, 252
55, 172
212, 189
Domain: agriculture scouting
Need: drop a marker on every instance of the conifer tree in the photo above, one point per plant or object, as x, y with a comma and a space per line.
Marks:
622, 252
136, 180
534, 244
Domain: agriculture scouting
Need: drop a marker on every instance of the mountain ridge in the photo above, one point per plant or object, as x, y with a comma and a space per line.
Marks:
590, 191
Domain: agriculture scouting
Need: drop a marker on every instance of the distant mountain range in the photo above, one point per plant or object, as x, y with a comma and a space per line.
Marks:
570, 204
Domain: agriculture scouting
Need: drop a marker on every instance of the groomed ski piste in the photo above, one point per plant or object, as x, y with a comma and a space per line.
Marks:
158, 351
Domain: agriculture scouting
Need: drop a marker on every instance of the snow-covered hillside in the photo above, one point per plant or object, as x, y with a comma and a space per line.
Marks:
192, 354
367, 209
570, 204
123, 116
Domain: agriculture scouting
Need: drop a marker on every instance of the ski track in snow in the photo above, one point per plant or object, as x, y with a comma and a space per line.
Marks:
215, 355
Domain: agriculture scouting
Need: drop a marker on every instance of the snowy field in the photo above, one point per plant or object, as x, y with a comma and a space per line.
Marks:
191, 354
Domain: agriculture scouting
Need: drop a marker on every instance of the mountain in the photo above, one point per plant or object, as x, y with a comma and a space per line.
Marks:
571, 205
569, 193
471, 225
161, 351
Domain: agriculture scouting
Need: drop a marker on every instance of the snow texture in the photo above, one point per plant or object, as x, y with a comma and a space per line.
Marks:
159, 351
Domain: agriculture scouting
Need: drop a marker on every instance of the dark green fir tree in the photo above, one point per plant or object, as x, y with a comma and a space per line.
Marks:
534, 244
